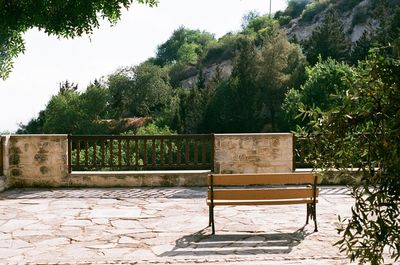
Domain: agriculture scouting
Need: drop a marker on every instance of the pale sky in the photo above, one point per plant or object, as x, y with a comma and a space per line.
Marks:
48, 61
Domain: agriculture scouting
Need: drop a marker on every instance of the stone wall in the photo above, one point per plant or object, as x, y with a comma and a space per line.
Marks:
41, 161
253, 153
36, 160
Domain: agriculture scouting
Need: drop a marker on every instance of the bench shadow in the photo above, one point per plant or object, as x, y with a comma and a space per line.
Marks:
202, 243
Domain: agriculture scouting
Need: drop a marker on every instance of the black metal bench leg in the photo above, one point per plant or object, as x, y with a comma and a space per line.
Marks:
308, 213
209, 215
315, 218
212, 221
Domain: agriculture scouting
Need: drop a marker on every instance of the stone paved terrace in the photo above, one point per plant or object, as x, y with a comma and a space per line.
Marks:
162, 226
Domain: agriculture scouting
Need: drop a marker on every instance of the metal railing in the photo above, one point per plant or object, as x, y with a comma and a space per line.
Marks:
144, 152
309, 147
301, 150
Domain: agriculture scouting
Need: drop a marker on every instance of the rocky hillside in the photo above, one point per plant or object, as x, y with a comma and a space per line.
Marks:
356, 18
300, 19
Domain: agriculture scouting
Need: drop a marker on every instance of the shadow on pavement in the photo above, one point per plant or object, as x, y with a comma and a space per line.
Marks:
105, 193
202, 243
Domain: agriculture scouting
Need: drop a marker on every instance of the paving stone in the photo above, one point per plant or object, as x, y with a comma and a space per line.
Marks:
53, 242
128, 240
158, 250
32, 232
102, 246
101, 221
125, 224
125, 213
87, 238
77, 223
15, 224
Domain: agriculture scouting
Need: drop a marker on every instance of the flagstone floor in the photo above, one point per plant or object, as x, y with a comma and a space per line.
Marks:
162, 226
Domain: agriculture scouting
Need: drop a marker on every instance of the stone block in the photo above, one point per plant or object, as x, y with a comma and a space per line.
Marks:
251, 153
36, 160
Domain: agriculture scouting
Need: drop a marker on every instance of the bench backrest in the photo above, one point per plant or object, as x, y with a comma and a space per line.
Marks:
253, 194
261, 179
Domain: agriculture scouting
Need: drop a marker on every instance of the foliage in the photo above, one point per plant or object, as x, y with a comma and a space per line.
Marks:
281, 67
250, 100
224, 49
260, 28
154, 129
324, 81
247, 18
346, 5
360, 15
139, 91
312, 9
293, 10
34, 126
189, 115
185, 45
220, 112
66, 19
327, 40
361, 48
75, 113
370, 106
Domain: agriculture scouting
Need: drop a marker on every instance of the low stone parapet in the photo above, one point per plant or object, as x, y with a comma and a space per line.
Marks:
172, 178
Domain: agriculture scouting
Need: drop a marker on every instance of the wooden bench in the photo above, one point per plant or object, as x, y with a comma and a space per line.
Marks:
263, 189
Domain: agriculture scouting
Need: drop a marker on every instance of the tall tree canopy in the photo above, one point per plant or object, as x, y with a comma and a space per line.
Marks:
61, 18
327, 40
185, 45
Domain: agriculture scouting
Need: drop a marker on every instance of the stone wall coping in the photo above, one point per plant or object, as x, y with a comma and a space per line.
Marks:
153, 172
253, 134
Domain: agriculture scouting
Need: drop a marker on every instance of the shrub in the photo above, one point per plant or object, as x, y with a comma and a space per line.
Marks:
313, 9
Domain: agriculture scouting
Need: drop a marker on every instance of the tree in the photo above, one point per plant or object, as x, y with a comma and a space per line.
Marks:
184, 46
66, 19
367, 117
281, 67
360, 49
293, 10
139, 91
34, 126
250, 101
324, 81
244, 86
327, 40
73, 112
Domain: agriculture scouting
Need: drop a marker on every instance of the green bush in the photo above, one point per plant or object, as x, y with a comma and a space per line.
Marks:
313, 9
284, 20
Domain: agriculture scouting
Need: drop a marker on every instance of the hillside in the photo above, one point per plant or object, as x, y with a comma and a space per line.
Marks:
302, 17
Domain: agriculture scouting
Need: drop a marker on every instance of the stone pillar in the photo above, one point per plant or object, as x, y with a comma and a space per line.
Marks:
253, 153
36, 160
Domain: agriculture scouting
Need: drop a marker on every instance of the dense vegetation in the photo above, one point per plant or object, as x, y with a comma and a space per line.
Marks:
265, 66
271, 77
345, 93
